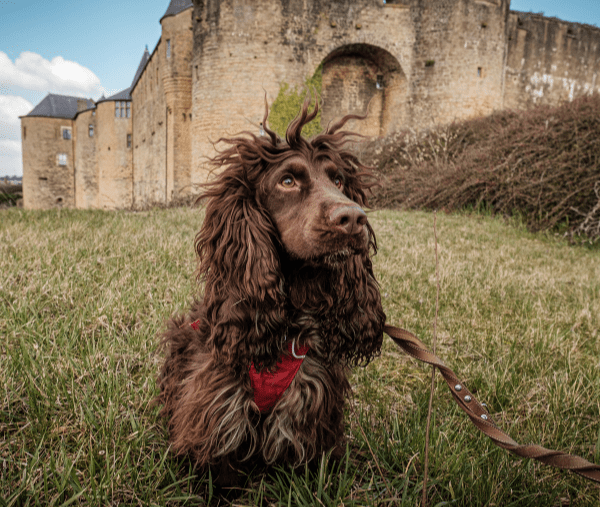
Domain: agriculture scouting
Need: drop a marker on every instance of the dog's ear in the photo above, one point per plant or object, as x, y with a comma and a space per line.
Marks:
239, 264
356, 183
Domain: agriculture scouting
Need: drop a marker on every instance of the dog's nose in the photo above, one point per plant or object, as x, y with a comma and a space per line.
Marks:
348, 219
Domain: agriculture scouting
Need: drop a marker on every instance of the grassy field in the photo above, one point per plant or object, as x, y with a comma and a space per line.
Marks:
83, 295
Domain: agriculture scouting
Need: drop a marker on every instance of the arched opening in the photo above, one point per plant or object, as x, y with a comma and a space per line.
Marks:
359, 75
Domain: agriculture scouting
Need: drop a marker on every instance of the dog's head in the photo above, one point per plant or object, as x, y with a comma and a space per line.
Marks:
280, 202
315, 196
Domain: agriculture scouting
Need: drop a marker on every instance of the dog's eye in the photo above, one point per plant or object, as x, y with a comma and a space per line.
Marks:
287, 182
338, 181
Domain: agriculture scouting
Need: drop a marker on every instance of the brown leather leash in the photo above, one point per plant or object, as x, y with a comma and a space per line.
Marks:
481, 418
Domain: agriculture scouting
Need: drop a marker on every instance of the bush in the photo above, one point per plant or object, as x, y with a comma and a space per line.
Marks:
10, 194
289, 101
541, 164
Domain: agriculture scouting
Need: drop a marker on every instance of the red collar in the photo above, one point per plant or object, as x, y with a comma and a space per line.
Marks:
269, 386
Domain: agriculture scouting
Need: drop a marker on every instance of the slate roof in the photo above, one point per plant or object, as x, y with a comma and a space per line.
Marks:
177, 6
59, 106
138, 73
122, 95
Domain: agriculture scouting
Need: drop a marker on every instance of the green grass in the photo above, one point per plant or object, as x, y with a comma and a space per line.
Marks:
84, 295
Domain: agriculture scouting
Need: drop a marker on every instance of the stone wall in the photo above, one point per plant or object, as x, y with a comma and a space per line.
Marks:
549, 60
162, 113
47, 183
417, 63
150, 120
363, 79
350, 83
114, 158
86, 167
246, 50
176, 73
459, 56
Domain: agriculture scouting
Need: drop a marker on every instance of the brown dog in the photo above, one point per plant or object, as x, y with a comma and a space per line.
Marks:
257, 371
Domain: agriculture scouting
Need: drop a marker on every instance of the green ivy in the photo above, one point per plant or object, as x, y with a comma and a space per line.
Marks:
289, 101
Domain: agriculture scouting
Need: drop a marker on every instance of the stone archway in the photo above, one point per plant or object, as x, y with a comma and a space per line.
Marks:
359, 75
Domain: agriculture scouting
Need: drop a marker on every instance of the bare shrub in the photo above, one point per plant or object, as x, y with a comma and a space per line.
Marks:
542, 164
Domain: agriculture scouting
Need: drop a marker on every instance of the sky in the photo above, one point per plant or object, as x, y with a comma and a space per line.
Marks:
88, 48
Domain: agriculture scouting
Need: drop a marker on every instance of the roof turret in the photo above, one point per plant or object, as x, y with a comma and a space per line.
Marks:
141, 67
122, 95
177, 6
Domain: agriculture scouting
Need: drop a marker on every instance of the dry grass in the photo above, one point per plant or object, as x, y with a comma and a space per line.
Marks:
84, 294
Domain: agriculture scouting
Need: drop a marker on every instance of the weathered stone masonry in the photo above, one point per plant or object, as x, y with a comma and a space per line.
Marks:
415, 62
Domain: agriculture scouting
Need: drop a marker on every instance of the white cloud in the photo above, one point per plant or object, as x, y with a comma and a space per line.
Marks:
8, 147
33, 72
11, 107
11, 162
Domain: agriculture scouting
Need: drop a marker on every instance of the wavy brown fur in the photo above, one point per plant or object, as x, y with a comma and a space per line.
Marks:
284, 251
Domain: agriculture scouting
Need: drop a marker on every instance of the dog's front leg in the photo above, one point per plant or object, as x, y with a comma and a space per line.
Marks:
308, 420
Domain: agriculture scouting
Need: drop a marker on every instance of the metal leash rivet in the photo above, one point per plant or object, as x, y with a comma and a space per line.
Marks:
467, 398
458, 387
484, 417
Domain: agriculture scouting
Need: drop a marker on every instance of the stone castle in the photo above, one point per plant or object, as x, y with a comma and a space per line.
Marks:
417, 62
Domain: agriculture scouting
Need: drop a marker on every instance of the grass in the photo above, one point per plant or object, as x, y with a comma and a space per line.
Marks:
84, 295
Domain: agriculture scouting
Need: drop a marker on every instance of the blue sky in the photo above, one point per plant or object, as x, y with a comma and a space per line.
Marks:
87, 48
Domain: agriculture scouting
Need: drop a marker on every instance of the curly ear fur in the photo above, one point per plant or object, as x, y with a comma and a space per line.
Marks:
239, 263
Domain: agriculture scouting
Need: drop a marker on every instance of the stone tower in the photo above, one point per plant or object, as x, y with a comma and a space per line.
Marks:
103, 154
162, 112
48, 141
416, 62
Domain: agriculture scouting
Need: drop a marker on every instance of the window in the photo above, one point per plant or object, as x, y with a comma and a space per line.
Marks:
128, 140
66, 132
122, 109
24, 132
379, 83
94, 112
62, 159
91, 130
168, 48
479, 72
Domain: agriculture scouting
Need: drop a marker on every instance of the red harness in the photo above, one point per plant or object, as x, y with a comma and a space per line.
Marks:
269, 386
